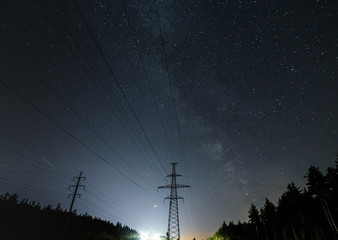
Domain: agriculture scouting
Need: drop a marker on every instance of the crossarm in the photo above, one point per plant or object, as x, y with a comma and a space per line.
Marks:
165, 186
182, 186
178, 197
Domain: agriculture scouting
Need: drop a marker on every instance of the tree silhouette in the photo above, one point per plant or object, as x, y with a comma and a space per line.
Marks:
319, 187
28, 220
254, 218
307, 214
315, 182
268, 217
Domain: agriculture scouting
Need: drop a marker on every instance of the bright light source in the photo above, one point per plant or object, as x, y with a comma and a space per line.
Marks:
143, 236
149, 236
156, 237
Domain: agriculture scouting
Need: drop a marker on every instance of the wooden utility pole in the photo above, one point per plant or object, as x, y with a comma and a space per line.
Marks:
75, 194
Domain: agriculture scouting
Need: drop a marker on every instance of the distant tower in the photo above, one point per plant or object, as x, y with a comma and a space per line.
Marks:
173, 221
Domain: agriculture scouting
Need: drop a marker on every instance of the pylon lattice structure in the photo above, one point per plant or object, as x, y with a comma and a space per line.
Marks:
173, 221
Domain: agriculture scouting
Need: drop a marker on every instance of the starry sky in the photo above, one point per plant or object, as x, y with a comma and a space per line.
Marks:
242, 94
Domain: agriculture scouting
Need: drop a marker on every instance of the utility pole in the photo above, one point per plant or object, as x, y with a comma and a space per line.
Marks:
75, 194
173, 221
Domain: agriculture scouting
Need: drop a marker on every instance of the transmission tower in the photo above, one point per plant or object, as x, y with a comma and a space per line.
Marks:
75, 194
173, 221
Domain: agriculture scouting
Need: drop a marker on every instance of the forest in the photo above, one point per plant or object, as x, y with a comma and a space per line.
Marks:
300, 214
21, 219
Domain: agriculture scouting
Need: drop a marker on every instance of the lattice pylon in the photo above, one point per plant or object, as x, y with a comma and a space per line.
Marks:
173, 220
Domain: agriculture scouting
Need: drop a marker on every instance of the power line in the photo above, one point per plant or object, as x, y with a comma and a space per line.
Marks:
89, 207
100, 92
31, 159
65, 103
106, 205
35, 73
146, 75
111, 200
60, 171
112, 96
121, 122
109, 92
170, 85
29, 177
25, 170
87, 204
69, 133
118, 84
32, 188
107, 197
62, 100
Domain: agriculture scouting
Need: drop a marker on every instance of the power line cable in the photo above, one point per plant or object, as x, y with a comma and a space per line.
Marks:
88, 205
59, 171
147, 76
118, 84
69, 133
112, 96
107, 197
100, 92
27, 163
110, 93
31, 159
62, 100
170, 85
29, 177
104, 205
121, 122
77, 115
31, 188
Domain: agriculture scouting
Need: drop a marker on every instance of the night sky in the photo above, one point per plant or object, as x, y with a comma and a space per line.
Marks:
242, 94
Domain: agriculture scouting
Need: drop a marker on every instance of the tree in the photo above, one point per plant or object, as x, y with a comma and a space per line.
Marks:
331, 180
223, 229
315, 182
268, 212
254, 218
254, 215
318, 188
13, 199
268, 217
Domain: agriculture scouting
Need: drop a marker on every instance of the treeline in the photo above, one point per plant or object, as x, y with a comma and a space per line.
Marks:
310, 213
28, 220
